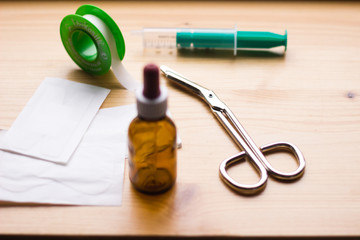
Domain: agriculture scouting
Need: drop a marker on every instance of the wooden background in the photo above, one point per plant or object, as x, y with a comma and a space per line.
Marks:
310, 96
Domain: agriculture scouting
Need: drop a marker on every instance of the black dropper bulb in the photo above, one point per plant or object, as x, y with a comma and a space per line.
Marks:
151, 81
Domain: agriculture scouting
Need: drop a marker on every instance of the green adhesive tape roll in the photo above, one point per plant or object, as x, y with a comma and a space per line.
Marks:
88, 37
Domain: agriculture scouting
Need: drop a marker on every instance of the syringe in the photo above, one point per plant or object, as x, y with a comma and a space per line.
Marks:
192, 38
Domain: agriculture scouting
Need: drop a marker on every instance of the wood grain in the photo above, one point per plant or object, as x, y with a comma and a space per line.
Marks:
310, 96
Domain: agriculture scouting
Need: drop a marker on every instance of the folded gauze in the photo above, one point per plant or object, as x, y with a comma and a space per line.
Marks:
93, 176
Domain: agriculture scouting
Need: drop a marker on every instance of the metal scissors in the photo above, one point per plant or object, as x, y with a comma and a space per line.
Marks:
243, 140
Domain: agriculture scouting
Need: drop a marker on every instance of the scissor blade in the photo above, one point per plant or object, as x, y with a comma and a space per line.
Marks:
183, 81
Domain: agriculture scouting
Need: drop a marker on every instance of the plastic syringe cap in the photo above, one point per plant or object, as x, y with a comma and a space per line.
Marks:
151, 81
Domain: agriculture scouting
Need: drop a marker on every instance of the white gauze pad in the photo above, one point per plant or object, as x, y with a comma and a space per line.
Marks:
54, 120
93, 176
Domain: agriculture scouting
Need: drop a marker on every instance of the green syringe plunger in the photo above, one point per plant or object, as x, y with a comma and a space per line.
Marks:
191, 38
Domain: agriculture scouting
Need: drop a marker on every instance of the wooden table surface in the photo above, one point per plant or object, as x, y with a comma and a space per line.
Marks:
310, 96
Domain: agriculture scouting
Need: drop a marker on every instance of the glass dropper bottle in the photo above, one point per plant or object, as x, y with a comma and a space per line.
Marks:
152, 138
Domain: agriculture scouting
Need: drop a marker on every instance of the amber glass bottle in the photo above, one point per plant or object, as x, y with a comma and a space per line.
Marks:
152, 138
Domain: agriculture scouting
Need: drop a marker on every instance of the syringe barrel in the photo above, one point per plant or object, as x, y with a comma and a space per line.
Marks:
210, 38
188, 38
159, 37
206, 38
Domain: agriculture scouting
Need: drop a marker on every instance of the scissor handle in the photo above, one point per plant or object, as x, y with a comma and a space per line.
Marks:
250, 189
285, 147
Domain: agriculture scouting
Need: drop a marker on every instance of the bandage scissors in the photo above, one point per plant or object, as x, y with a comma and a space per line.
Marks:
243, 140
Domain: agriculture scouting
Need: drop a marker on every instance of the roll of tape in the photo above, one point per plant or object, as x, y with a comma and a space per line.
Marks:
95, 43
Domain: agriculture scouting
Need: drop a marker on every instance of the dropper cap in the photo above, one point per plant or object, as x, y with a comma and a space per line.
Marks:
152, 98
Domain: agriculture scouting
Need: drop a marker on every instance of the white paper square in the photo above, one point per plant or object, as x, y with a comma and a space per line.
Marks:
93, 176
54, 120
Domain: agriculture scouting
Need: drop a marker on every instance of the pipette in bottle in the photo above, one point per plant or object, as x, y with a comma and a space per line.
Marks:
203, 38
